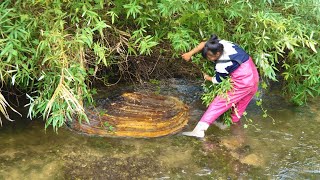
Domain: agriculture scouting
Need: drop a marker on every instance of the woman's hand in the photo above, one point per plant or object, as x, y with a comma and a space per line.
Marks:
186, 56
207, 77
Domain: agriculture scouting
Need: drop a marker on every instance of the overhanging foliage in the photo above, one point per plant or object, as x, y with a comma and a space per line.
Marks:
52, 48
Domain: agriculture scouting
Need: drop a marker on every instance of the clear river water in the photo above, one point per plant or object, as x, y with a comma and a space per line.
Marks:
284, 148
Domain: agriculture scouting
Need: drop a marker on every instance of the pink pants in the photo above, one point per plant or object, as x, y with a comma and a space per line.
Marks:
245, 81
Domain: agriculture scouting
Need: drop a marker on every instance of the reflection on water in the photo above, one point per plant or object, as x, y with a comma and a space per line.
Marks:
288, 149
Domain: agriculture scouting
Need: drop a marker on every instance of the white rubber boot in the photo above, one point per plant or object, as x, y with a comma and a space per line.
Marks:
198, 131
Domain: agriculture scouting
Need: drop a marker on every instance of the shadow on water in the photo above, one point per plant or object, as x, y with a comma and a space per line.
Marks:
288, 149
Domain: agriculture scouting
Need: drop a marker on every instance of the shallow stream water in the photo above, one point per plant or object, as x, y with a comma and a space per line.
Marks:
286, 148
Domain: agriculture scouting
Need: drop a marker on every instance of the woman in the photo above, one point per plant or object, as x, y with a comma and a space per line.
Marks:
233, 61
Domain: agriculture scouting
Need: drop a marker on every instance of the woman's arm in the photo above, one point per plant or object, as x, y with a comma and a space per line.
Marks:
187, 56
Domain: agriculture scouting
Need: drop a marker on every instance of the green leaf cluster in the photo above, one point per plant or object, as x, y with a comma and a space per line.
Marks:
53, 49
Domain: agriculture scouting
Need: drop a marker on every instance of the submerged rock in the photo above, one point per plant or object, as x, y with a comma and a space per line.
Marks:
252, 159
232, 143
238, 150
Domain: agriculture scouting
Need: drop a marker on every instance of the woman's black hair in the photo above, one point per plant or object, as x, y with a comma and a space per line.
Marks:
212, 45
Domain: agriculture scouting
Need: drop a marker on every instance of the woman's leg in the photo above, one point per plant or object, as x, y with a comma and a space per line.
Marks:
241, 106
220, 105
243, 103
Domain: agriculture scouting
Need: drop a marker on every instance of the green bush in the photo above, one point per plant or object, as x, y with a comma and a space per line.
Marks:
52, 49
